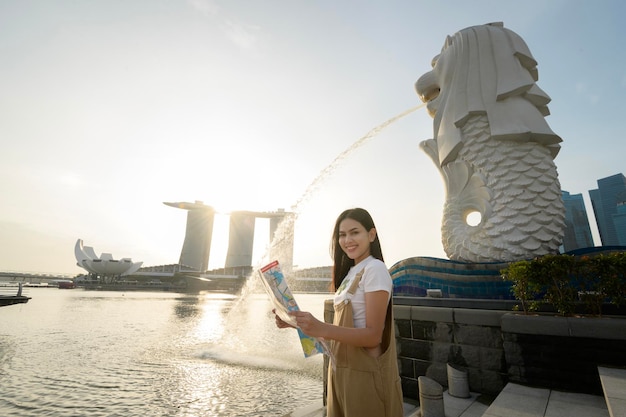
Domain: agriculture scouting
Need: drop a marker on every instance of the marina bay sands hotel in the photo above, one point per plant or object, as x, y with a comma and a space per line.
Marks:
199, 233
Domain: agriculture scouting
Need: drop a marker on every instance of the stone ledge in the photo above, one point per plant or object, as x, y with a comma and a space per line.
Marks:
470, 303
590, 327
434, 314
491, 318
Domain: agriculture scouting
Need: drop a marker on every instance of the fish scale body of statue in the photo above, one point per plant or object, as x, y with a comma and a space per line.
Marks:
493, 147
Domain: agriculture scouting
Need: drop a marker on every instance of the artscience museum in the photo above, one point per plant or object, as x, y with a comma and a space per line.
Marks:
103, 265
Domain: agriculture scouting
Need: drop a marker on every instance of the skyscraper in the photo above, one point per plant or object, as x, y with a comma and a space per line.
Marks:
198, 234
241, 238
610, 194
577, 231
619, 220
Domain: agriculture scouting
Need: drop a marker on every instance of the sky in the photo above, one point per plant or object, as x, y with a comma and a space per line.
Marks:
108, 108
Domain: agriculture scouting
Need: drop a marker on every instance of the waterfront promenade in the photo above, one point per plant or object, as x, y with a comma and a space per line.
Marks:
523, 401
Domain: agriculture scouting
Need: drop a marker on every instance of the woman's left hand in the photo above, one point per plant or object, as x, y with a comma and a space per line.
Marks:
279, 322
308, 323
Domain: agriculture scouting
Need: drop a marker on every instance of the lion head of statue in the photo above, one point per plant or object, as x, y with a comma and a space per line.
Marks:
485, 69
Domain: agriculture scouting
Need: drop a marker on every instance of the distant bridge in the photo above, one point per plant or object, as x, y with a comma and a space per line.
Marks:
31, 276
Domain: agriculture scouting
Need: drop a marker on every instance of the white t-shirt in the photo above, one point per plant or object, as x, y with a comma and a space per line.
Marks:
375, 278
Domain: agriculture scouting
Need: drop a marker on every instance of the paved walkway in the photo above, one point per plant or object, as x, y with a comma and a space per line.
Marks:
514, 401
521, 401
614, 386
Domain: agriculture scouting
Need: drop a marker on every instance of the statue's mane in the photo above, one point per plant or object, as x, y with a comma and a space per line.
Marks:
489, 70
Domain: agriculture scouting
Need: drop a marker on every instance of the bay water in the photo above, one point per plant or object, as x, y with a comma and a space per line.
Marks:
96, 353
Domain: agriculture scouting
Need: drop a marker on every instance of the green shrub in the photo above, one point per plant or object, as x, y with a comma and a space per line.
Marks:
525, 286
567, 281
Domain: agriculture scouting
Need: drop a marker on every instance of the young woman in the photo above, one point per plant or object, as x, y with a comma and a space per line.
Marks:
366, 381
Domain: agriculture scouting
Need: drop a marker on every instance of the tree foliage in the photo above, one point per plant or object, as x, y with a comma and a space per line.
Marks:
569, 282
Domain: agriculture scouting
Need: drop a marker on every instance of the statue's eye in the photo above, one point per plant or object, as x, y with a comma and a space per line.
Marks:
434, 61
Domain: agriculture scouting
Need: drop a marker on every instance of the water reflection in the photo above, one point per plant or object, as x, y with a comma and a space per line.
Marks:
186, 307
69, 353
209, 325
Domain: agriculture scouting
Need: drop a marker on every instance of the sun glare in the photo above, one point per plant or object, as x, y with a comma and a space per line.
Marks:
220, 240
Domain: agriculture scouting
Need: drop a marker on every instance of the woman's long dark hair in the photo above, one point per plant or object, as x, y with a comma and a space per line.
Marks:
342, 263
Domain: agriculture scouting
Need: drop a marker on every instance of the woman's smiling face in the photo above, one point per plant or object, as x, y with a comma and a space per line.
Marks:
355, 240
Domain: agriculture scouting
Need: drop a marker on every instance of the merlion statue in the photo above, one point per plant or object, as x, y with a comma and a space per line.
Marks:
493, 148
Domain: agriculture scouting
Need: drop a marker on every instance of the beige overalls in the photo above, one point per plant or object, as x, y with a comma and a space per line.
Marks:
363, 386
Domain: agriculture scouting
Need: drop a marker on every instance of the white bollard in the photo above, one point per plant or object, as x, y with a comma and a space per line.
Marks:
431, 397
458, 382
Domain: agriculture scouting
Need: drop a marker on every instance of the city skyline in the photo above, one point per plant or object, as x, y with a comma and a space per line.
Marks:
608, 215
577, 229
605, 200
576, 213
110, 108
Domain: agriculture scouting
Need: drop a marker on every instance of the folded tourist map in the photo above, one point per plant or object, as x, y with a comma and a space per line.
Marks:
283, 301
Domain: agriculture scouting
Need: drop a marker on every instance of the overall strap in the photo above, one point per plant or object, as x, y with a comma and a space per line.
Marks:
355, 282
